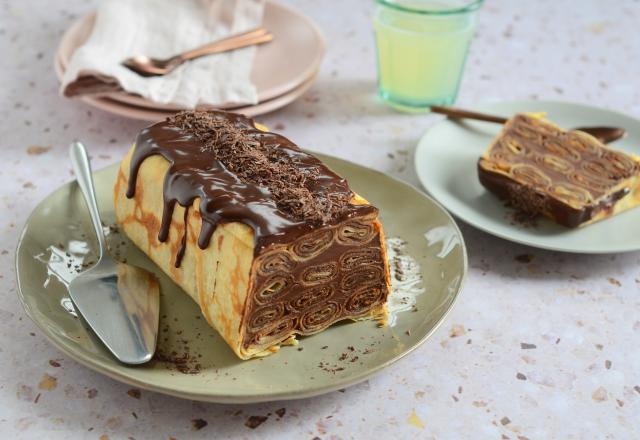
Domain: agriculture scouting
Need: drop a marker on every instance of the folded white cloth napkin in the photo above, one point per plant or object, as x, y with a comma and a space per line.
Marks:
163, 28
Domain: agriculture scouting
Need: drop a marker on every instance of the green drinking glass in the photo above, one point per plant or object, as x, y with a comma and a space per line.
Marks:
422, 47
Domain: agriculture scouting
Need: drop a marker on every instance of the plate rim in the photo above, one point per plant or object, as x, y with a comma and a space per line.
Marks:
151, 115
480, 225
115, 107
97, 366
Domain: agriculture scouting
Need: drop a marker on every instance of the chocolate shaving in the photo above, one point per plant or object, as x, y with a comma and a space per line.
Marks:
254, 421
263, 164
198, 424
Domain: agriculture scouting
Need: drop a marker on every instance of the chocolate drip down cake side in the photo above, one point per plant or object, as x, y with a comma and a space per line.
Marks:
567, 176
263, 236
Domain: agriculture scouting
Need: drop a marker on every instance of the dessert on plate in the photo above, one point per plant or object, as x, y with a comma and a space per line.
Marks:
263, 236
567, 176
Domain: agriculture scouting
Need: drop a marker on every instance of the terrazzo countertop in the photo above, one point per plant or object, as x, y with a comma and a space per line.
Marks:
541, 344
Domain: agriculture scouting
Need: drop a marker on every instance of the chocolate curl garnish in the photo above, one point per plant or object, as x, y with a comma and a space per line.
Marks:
265, 164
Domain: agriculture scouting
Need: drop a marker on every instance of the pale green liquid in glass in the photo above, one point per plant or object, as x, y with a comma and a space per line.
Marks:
420, 59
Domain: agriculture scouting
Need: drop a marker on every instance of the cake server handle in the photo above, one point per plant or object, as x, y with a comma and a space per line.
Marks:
82, 168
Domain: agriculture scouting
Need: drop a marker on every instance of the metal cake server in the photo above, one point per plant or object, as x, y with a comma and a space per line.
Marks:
120, 302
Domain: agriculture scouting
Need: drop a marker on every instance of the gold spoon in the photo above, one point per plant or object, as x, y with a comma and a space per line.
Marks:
603, 134
147, 66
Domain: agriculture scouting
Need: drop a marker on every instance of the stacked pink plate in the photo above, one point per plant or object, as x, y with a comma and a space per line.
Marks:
287, 67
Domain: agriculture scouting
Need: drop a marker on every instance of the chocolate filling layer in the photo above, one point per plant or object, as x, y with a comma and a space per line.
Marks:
298, 291
242, 174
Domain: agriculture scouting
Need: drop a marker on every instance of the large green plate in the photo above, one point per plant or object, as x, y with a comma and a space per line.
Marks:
340, 356
446, 161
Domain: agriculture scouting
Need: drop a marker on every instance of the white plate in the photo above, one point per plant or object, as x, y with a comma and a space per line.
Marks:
446, 160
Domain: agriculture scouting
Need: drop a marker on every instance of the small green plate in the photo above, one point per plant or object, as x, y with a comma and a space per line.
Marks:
195, 362
446, 160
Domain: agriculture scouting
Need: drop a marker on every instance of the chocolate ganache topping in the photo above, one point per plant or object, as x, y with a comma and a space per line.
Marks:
242, 174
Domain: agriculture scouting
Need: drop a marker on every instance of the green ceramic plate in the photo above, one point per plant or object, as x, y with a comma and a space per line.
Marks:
446, 160
195, 362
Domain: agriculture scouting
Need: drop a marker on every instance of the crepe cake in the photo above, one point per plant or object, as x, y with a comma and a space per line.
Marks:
263, 236
568, 176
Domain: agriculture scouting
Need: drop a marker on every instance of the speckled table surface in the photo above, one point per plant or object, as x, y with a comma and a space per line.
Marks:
541, 346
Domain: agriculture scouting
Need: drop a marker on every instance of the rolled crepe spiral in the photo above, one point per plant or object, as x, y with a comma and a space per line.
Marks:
313, 244
561, 151
360, 278
502, 156
319, 318
265, 316
555, 163
275, 331
618, 165
355, 232
589, 181
273, 288
539, 132
531, 175
362, 300
513, 146
526, 132
576, 141
573, 193
359, 258
276, 261
310, 297
597, 170
320, 273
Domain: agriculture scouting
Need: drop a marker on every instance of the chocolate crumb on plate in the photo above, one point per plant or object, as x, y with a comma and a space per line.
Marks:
524, 258
254, 421
198, 424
